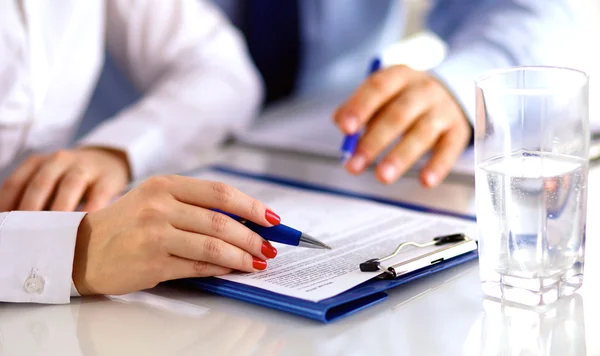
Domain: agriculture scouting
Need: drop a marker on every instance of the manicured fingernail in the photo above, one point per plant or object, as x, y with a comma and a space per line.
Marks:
351, 123
259, 264
431, 179
357, 162
272, 218
388, 172
268, 250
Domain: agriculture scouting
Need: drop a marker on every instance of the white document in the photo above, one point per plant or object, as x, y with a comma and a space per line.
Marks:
357, 230
305, 125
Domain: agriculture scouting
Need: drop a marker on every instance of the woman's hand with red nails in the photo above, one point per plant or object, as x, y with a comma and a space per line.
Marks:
166, 228
402, 103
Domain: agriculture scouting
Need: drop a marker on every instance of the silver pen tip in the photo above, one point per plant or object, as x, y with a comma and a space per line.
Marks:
309, 241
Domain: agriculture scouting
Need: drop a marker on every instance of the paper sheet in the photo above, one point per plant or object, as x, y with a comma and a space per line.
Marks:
356, 229
305, 125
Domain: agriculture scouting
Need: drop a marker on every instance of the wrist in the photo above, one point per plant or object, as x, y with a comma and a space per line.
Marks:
80, 257
116, 156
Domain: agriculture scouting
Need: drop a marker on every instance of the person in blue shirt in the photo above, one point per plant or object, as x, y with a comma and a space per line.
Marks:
312, 46
432, 111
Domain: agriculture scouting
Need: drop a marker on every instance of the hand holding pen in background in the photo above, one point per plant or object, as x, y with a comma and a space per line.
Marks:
401, 103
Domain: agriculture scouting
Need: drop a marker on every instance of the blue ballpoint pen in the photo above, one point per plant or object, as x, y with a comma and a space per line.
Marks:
350, 141
280, 233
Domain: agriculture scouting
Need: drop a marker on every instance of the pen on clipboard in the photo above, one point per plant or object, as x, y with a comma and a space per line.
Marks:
351, 141
280, 233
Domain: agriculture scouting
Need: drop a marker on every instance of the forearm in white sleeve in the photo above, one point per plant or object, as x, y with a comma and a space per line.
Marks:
485, 35
36, 256
197, 80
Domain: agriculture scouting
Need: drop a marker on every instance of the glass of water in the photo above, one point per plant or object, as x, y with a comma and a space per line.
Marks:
531, 154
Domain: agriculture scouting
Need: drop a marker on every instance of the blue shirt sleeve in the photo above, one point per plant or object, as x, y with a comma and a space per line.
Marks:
490, 34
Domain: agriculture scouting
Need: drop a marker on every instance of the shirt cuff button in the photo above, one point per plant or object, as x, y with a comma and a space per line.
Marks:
34, 283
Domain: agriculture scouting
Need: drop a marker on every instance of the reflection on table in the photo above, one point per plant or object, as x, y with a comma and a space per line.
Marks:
514, 330
137, 324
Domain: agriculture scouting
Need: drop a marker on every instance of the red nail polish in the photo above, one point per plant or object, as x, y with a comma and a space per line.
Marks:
272, 218
259, 264
268, 250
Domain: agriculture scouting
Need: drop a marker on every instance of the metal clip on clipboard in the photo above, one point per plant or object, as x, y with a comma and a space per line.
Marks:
456, 244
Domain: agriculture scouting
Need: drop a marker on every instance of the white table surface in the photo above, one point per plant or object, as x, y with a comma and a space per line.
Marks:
443, 314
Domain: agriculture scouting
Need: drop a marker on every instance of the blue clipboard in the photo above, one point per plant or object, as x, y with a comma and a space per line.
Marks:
347, 303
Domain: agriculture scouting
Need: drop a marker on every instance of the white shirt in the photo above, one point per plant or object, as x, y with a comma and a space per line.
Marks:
190, 63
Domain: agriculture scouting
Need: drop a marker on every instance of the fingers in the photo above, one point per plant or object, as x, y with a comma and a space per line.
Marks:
59, 181
214, 251
42, 184
374, 93
417, 141
400, 103
189, 218
101, 194
445, 153
389, 124
183, 268
217, 195
13, 187
71, 189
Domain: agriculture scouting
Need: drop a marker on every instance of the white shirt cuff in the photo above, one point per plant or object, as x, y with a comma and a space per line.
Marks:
142, 142
36, 256
74, 292
460, 70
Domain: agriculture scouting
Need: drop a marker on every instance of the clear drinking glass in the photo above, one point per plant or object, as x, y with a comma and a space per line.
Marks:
531, 154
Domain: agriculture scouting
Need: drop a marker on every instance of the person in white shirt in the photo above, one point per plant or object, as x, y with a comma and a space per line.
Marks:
198, 84
191, 65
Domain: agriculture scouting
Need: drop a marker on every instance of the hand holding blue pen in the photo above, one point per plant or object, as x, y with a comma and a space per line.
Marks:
351, 141
407, 113
281, 233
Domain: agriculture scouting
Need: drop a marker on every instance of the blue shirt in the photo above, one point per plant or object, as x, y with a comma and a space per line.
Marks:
340, 37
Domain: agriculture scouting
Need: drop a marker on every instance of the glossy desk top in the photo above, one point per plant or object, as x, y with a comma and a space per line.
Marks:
441, 314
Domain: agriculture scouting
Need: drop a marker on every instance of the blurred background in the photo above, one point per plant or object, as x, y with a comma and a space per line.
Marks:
587, 14
422, 52
588, 18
